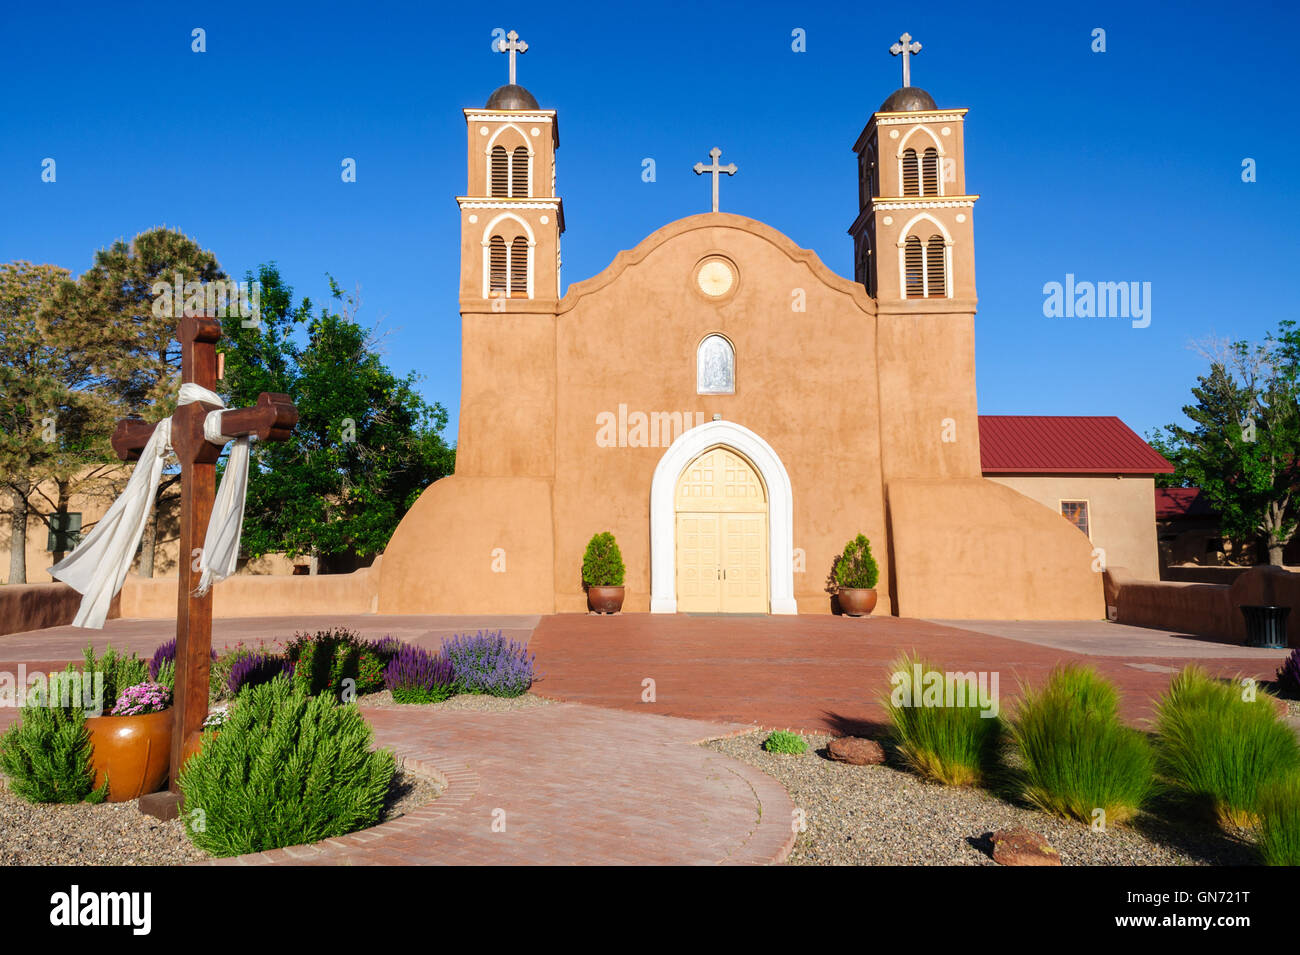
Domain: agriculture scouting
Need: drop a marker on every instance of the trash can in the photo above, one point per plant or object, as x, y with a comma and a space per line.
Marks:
1265, 626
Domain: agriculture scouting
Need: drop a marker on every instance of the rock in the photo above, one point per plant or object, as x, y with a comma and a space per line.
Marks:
1020, 846
856, 751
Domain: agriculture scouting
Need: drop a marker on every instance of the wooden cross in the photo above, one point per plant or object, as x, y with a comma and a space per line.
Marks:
714, 168
271, 419
512, 44
908, 49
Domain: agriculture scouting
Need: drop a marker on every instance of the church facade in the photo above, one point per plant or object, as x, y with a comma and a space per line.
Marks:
726, 405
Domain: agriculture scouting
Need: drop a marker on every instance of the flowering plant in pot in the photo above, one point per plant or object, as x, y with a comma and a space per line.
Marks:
132, 746
856, 574
602, 574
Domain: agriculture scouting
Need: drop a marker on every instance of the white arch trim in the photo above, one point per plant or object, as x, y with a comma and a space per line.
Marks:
902, 143
663, 517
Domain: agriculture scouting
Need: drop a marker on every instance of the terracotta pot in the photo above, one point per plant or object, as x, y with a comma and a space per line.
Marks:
134, 752
193, 744
605, 599
856, 602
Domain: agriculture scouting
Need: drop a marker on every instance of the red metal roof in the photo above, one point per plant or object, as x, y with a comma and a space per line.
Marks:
1181, 502
1069, 444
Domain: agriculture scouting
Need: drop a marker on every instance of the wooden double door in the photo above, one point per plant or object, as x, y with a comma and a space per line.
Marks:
721, 552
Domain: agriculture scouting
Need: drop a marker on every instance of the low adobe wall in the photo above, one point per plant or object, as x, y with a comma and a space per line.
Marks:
974, 549
253, 595
1211, 610
26, 607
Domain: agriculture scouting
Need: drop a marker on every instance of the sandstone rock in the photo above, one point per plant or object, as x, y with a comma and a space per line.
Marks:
855, 750
1020, 846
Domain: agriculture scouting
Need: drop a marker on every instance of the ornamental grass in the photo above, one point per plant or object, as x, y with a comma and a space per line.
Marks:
1078, 756
1223, 743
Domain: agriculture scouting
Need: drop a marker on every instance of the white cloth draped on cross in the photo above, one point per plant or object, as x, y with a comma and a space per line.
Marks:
99, 565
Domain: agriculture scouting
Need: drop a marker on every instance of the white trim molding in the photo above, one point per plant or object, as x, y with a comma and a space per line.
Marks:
663, 516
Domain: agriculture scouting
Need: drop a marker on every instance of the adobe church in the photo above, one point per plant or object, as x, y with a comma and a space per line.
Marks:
725, 404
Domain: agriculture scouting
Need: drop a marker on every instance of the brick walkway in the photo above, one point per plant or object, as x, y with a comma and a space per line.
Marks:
818, 673
577, 785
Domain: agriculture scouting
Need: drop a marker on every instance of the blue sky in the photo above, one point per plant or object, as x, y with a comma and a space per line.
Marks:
1116, 166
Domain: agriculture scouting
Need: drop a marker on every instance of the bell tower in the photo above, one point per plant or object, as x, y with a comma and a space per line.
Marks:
913, 249
510, 218
913, 237
510, 226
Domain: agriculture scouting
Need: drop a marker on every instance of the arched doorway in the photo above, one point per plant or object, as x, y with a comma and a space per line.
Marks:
772, 520
720, 504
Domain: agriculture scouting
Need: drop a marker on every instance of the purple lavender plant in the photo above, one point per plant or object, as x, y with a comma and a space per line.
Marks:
489, 663
386, 647
256, 669
166, 654
414, 675
1288, 674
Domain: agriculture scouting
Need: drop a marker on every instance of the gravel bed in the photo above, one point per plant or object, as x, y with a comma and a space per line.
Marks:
472, 702
883, 815
115, 833
119, 834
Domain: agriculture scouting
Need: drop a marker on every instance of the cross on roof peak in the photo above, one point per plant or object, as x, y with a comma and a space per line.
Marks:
908, 49
512, 45
714, 168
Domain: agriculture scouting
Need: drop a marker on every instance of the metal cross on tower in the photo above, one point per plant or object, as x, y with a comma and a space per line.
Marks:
715, 169
906, 47
512, 45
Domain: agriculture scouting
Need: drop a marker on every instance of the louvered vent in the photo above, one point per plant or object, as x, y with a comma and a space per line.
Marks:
519, 173
497, 264
930, 172
936, 285
914, 267
519, 266
911, 175
500, 185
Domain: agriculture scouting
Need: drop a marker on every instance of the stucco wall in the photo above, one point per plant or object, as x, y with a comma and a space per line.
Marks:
1121, 513
1212, 610
37, 606
246, 595
976, 549
472, 545
806, 382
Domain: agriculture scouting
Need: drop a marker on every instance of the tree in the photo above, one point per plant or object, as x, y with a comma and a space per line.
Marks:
133, 347
1243, 449
54, 423
366, 443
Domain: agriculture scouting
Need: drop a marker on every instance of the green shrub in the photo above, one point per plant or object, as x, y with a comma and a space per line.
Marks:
119, 669
953, 745
1279, 822
47, 755
286, 768
1078, 756
602, 564
783, 742
856, 568
322, 661
1220, 748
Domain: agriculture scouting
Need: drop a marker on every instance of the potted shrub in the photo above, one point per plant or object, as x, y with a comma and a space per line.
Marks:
856, 574
602, 574
132, 746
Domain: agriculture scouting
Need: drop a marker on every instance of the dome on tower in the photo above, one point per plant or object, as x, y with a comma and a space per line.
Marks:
907, 99
511, 96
